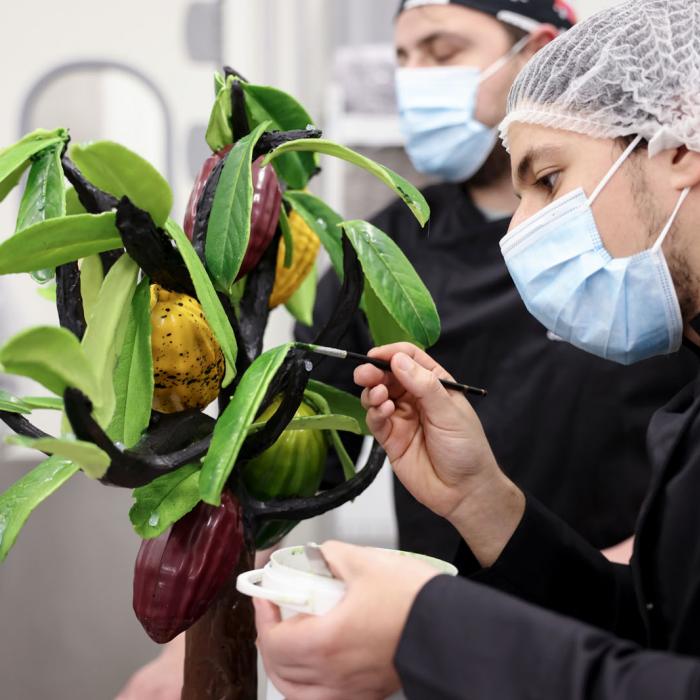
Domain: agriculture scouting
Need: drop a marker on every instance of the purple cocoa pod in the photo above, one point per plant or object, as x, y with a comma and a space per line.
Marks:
267, 199
180, 574
264, 218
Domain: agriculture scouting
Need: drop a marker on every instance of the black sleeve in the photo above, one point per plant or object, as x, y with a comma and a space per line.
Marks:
549, 564
466, 640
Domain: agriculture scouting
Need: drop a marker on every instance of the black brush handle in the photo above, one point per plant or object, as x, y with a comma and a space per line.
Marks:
383, 364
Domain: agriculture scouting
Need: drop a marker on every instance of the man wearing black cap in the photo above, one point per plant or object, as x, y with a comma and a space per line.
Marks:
457, 60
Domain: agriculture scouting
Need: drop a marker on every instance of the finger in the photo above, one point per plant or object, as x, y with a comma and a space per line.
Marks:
347, 561
369, 375
379, 421
388, 352
423, 384
267, 616
377, 395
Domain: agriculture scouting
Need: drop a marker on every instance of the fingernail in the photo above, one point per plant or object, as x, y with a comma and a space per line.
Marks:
403, 362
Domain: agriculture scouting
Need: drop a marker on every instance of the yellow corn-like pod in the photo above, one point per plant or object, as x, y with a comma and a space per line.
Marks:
306, 246
188, 365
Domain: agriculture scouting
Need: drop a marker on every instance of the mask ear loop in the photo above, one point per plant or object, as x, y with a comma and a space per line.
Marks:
503, 60
669, 225
613, 171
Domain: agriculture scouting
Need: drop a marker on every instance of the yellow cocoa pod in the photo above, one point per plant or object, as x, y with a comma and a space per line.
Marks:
188, 365
289, 279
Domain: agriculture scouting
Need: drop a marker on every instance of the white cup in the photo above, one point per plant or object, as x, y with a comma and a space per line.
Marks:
289, 582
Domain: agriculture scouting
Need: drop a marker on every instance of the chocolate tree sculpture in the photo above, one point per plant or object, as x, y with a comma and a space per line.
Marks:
157, 322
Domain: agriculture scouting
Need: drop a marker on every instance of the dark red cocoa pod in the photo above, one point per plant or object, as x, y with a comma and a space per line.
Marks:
199, 184
265, 216
180, 574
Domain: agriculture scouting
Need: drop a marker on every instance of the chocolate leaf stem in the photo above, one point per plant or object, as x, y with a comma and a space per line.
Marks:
349, 297
151, 249
296, 381
21, 425
69, 300
92, 198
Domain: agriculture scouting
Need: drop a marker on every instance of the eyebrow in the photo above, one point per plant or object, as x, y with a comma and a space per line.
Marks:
435, 36
525, 169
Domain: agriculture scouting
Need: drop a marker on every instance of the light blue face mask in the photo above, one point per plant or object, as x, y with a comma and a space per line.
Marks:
437, 109
621, 309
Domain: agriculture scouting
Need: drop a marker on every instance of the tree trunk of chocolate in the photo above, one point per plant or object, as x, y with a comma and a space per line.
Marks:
220, 653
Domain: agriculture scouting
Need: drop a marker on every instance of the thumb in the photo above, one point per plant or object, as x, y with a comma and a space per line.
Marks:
420, 382
346, 561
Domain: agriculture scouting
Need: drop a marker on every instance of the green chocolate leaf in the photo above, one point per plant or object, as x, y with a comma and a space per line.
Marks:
121, 172
164, 501
219, 133
91, 278
228, 231
15, 159
51, 356
73, 205
27, 404
48, 292
133, 378
207, 297
288, 238
413, 199
286, 114
341, 402
219, 83
48, 403
232, 426
301, 303
395, 283
90, 458
322, 422
12, 404
322, 408
105, 331
323, 221
382, 326
59, 241
44, 195
18, 502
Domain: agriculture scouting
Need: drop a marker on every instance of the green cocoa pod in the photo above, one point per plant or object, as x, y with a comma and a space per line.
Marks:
293, 467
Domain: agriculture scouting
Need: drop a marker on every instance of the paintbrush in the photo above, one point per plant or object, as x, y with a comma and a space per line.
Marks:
383, 364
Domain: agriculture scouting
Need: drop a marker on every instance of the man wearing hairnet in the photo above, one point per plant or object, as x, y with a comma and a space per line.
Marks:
457, 60
603, 128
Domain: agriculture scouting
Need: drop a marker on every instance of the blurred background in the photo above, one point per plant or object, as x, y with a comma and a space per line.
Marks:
141, 73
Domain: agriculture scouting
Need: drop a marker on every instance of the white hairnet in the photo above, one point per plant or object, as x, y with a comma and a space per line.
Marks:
633, 69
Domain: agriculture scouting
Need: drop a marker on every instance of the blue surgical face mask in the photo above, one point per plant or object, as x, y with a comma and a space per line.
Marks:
437, 109
621, 309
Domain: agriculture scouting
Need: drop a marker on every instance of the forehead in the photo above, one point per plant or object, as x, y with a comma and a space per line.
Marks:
522, 136
534, 145
416, 25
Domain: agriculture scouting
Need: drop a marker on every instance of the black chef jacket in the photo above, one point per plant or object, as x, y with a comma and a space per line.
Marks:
636, 632
565, 425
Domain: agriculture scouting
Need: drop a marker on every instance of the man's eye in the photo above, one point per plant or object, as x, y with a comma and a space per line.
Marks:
549, 181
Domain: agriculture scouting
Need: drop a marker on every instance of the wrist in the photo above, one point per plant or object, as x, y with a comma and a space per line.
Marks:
488, 516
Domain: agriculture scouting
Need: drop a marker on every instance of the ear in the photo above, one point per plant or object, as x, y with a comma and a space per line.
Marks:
685, 169
544, 34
